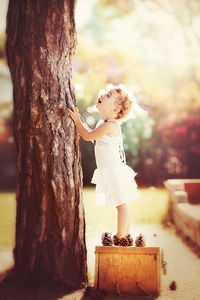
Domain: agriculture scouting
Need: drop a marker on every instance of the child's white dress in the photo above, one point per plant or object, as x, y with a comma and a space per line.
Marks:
115, 183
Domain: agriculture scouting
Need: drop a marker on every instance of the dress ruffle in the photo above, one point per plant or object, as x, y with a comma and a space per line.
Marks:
115, 185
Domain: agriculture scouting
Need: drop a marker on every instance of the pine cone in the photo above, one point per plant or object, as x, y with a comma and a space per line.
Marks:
116, 240
140, 242
172, 285
124, 241
106, 239
130, 240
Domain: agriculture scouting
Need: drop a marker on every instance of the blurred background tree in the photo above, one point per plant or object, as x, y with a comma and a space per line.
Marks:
7, 146
153, 47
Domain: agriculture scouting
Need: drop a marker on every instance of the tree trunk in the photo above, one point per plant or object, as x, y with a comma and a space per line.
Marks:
50, 224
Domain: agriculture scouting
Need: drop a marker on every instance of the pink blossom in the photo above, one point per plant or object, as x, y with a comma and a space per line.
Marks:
181, 130
195, 149
193, 136
164, 139
159, 128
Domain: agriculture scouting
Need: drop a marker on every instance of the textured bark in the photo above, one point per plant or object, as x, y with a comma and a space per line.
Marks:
50, 224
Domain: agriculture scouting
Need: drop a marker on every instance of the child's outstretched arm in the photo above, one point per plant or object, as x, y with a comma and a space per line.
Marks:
85, 124
87, 133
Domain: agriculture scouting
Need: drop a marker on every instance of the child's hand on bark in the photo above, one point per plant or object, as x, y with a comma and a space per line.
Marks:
74, 114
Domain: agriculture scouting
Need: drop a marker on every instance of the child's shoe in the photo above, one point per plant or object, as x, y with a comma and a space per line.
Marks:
106, 239
116, 240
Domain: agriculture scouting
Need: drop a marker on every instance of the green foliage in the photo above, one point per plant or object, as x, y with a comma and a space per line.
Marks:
137, 132
110, 9
131, 42
87, 87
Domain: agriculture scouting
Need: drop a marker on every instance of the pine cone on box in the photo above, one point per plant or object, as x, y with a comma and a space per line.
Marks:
140, 242
130, 240
124, 241
116, 240
106, 239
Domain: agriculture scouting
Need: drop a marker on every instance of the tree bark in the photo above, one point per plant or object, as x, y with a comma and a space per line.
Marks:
50, 224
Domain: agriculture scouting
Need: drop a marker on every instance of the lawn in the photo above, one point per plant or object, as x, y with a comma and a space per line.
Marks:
151, 208
7, 219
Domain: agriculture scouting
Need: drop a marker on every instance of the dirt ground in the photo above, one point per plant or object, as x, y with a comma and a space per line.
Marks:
183, 267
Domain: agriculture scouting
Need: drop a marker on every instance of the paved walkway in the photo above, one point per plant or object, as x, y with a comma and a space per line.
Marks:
183, 265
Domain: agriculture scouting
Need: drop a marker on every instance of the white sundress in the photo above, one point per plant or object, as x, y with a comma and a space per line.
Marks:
115, 183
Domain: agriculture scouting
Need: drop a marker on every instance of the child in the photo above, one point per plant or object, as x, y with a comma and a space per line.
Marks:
114, 180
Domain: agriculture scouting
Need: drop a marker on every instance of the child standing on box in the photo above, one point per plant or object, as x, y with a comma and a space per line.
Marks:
115, 184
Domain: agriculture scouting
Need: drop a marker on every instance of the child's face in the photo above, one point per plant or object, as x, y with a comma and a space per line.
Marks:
106, 103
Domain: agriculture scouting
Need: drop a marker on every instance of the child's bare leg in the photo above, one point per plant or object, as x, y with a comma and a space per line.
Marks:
123, 220
129, 223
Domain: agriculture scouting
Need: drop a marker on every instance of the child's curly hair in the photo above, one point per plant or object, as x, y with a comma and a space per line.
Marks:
123, 103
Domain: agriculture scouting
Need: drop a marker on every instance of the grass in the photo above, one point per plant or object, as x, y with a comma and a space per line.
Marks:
7, 219
151, 208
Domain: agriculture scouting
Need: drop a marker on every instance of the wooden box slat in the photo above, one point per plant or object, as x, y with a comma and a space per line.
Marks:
120, 268
120, 249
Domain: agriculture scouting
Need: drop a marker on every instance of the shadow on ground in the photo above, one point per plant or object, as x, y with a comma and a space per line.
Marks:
13, 288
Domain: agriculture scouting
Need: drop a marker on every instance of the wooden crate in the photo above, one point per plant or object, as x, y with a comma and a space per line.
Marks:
122, 269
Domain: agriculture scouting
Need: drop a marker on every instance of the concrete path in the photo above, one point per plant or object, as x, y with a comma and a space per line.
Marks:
183, 265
